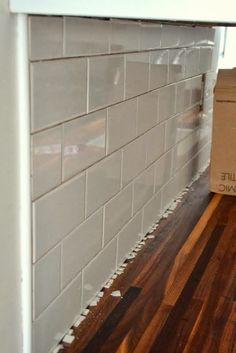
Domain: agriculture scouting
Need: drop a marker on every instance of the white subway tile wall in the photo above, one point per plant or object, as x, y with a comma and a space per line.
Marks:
116, 132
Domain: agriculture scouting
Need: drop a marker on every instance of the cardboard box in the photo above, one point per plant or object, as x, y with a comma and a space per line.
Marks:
223, 149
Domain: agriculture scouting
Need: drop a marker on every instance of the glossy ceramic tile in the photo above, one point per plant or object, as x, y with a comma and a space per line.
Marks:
147, 112
81, 245
210, 80
106, 81
125, 36
47, 280
143, 188
117, 212
205, 59
176, 65
187, 36
167, 100
58, 91
183, 96
51, 326
134, 158
57, 213
169, 192
151, 212
103, 181
171, 133
128, 237
46, 161
158, 68
84, 142
150, 37
185, 149
45, 37
192, 62
98, 271
204, 36
170, 36
155, 143
137, 74
86, 36
121, 124
196, 85
163, 169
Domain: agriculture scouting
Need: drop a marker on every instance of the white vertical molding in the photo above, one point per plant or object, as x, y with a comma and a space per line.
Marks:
23, 111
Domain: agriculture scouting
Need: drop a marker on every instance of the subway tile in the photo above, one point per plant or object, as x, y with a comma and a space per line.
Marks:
128, 237
167, 100
86, 36
205, 59
210, 80
170, 36
54, 322
143, 188
84, 142
121, 124
106, 81
169, 193
125, 36
98, 271
57, 213
155, 143
163, 169
192, 62
147, 112
185, 150
183, 96
151, 212
103, 181
150, 37
196, 90
171, 133
158, 68
58, 91
176, 65
187, 36
82, 244
46, 289
117, 212
134, 157
46, 161
204, 36
45, 37
137, 74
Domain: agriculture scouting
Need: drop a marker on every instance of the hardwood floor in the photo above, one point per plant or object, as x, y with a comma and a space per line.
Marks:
179, 293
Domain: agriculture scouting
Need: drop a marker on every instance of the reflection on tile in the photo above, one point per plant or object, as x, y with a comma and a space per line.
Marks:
58, 91
187, 36
103, 181
106, 81
57, 213
205, 59
167, 97
147, 112
170, 36
192, 62
45, 37
183, 96
98, 271
117, 213
150, 35
124, 36
46, 289
82, 244
134, 157
196, 89
204, 36
84, 142
121, 124
46, 161
128, 237
137, 74
86, 36
158, 68
143, 188
52, 325
176, 65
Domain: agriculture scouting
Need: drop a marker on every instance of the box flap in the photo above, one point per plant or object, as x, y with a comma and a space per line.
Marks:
226, 80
